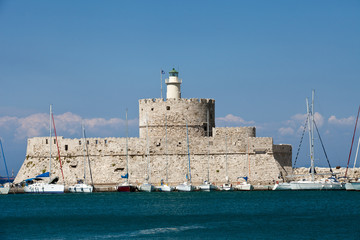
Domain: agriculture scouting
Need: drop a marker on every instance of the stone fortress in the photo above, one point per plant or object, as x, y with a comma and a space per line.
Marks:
163, 142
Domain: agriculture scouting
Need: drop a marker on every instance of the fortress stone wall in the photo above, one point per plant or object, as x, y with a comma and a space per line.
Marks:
247, 155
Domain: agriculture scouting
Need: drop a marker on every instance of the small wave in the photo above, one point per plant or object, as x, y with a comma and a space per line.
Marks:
151, 231
165, 230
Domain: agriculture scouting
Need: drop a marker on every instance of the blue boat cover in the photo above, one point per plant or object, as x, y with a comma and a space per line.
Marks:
47, 174
125, 176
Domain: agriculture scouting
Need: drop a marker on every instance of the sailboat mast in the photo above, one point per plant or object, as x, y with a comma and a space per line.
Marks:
84, 149
312, 137
357, 151
147, 178
208, 137
226, 158
127, 153
50, 127
166, 149
352, 142
88, 158
188, 150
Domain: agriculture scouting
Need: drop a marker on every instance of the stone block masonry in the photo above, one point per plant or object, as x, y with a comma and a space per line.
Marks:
162, 123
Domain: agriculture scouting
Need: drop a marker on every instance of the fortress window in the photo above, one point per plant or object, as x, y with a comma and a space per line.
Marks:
87, 142
46, 141
105, 141
152, 109
54, 141
79, 142
66, 147
167, 107
96, 141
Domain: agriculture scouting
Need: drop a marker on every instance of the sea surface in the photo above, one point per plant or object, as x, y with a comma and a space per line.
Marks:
178, 215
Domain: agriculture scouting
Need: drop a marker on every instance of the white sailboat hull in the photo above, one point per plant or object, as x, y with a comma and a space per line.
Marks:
164, 188
207, 187
227, 187
4, 190
44, 188
244, 187
352, 186
81, 188
185, 187
316, 185
282, 187
146, 187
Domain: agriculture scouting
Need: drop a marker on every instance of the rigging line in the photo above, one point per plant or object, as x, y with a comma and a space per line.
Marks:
317, 130
57, 144
352, 142
87, 153
302, 138
3, 155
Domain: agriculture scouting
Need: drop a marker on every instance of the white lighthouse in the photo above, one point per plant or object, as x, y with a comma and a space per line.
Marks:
173, 85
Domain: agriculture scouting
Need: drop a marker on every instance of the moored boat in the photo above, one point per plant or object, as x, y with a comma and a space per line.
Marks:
185, 187
244, 186
284, 186
165, 188
353, 186
81, 186
44, 183
324, 184
4, 187
147, 187
207, 187
227, 187
39, 185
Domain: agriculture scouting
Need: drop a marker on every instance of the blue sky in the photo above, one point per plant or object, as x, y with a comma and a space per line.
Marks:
258, 59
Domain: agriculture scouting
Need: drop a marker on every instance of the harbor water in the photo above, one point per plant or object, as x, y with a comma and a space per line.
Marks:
177, 215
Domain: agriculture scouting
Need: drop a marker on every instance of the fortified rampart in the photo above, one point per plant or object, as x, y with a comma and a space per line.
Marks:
163, 127
250, 156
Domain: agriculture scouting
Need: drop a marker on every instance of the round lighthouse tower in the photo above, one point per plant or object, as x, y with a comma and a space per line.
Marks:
173, 85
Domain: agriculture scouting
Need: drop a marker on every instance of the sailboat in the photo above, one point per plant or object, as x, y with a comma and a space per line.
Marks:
187, 186
330, 183
245, 186
227, 186
81, 186
39, 183
125, 186
4, 188
147, 186
207, 186
164, 187
354, 185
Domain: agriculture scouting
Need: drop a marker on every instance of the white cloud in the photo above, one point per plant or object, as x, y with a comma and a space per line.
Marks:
234, 119
342, 121
319, 119
66, 124
286, 131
